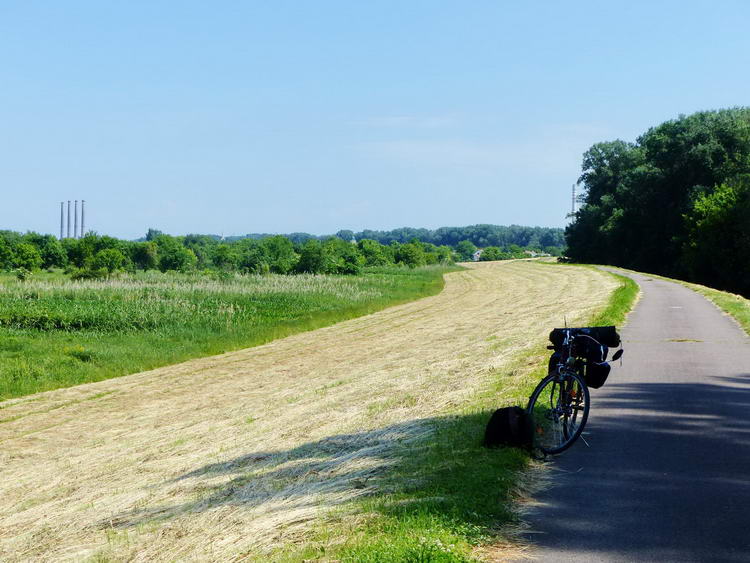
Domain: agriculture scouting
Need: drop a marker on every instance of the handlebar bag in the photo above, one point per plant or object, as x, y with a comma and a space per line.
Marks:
606, 335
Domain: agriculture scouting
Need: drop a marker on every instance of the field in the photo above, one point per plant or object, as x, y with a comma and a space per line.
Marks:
56, 333
354, 441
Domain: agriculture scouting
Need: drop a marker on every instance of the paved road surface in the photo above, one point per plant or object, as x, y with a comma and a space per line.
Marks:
667, 473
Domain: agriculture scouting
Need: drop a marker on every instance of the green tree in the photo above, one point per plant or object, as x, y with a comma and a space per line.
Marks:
492, 253
173, 256
718, 244
225, 257
53, 254
312, 258
27, 256
410, 254
373, 253
280, 251
342, 257
145, 255
109, 259
252, 257
204, 247
78, 252
152, 234
465, 250
444, 254
7, 255
637, 196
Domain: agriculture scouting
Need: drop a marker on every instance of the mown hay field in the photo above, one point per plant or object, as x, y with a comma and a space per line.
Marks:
241, 455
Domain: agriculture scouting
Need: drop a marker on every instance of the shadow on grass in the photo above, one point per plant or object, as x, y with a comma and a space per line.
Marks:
429, 482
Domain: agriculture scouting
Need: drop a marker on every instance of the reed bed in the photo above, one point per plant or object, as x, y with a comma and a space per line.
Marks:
55, 332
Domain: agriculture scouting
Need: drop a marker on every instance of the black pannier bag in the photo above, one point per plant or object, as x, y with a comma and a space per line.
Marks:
509, 426
607, 335
553, 361
597, 368
596, 373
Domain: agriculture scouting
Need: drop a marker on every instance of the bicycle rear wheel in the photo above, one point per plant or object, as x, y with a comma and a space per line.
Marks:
559, 408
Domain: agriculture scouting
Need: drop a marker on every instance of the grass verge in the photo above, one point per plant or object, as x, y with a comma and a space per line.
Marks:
57, 333
732, 304
448, 499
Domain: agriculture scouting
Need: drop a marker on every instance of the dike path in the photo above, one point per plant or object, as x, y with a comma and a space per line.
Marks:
666, 476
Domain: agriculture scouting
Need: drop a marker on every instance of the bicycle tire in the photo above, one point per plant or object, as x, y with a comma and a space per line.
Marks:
555, 407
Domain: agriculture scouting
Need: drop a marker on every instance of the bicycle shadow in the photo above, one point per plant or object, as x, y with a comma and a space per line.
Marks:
637, 507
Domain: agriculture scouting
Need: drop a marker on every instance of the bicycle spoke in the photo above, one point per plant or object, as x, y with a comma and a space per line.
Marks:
559, 409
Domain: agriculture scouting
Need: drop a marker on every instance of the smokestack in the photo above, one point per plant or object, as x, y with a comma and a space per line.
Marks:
75, 219
83, 228
68, 218
62, 218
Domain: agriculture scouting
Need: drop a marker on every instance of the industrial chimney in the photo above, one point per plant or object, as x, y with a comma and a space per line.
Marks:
75, 219
62, 218
83, 228
68, 218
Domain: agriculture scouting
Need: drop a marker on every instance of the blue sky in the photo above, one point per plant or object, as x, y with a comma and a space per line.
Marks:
237, 117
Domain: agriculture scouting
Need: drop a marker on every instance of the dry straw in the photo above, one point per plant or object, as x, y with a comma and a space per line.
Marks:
226, 457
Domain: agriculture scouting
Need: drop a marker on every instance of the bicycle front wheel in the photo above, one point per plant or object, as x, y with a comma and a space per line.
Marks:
559, 408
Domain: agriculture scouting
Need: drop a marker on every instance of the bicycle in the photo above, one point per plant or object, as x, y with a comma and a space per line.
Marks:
559, 406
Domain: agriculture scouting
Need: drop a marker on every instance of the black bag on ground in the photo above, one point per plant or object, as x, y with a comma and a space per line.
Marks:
509, 426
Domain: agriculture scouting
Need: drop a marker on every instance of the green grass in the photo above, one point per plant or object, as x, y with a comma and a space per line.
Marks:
447, 495
620, 304
57, 333
732, 304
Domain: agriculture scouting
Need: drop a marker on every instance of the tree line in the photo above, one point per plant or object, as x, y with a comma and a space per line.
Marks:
675, 202
546, 239
100, 255
97, 256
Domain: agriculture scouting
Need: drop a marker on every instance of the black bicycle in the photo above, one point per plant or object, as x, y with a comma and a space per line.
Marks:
559, 406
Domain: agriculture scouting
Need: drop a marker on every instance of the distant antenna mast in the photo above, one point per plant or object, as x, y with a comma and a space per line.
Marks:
573, 201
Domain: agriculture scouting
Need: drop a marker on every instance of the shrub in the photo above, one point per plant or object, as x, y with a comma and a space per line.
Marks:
22, 274
109, 259
27, 256
89, 274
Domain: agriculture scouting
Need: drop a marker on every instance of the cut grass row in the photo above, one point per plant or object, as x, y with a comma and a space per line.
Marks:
448, 499
58, 333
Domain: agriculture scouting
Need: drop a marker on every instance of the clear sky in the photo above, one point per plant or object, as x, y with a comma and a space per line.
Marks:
277, 116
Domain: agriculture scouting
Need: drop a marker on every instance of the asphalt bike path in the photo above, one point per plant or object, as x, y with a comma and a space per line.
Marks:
666, 473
